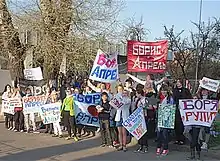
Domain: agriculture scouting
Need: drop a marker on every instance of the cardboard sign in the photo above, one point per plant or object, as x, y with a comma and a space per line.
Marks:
209, 84
198, 112
32, 104
50, 113
9, 105
117, 101
166, 116
105, 68
136, 124
33, 74
150, 57
85, 109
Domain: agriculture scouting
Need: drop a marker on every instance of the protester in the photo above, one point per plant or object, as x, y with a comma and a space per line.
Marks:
68, 114
121, 115
179, 92
8, 117
162, 133
18, 116
141, 101
104, 115
49, 127
30, 117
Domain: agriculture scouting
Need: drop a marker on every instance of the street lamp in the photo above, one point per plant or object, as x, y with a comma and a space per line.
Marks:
197, 49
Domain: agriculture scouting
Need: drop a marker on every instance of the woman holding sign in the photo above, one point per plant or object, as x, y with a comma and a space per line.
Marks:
162, 132
121, 115
8, 117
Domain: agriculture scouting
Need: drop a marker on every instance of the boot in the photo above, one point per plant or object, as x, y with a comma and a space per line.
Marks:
192, 157
198, 155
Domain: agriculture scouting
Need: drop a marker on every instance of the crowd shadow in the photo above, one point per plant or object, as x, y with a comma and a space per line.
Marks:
47, 152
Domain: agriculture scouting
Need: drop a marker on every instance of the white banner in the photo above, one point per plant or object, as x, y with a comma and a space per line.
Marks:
50, 113
105, 68
136, 124
9, 105
198, 112
117, 101
85, 109
33, 74
209, 84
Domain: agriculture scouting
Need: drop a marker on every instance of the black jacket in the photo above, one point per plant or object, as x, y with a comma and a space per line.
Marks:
181, 93
105, 114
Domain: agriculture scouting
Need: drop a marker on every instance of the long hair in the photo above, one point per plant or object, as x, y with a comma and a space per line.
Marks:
5, 89
165, 87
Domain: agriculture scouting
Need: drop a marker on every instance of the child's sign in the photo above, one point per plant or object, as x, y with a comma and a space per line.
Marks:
105, 68
50, 113
117, 102
198, 112
136, 124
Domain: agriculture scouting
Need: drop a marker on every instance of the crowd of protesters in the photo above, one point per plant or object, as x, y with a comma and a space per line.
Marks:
113, 134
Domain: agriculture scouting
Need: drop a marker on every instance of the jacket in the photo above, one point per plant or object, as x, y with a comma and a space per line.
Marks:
68, 102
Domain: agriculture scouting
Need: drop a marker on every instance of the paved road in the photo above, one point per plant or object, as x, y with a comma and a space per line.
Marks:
42, 147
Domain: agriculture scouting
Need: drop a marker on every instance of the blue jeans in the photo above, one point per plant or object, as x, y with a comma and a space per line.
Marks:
162, 138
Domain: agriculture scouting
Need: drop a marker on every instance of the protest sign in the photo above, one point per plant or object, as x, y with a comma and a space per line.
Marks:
198, 112
9, 105
50, 113
85, 109
37, 87
33, 74
166, 116
136, 124
105, 68
117, 101
209, 84
147, 57
32, 104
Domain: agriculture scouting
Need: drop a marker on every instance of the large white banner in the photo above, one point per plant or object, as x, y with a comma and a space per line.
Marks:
136, 124
198, 112
209, 84
85, 109
105, 68
50, 113
33, 74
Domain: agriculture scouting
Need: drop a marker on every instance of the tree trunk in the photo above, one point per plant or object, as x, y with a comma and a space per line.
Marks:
9, 37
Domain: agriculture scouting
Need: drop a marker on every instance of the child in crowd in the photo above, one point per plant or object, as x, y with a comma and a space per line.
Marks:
104, 115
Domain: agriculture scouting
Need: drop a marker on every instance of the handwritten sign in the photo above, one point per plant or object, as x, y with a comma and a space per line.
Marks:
32, 104
166, 116
105, 68
33, 74
50, 113
209, 84
117, 102
136, 124
198, 112
85, 109
9, 105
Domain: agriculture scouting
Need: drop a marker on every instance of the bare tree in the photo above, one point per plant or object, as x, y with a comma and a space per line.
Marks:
9, 40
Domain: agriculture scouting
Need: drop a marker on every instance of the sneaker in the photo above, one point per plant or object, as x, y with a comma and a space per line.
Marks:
60, 136
144, 150
120, 148
138, 149
36, 132
204, 146
124, 149
22, 131
110, 146
165, 152
98, 130
158, 151
15, 130
75, 139
102, 145
10, 128
54, 135
115, 143
68, 138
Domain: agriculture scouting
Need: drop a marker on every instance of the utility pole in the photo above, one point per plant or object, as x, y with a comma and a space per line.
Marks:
197, 49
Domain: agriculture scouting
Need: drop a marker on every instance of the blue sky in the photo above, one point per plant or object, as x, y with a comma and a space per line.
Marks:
157, 13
